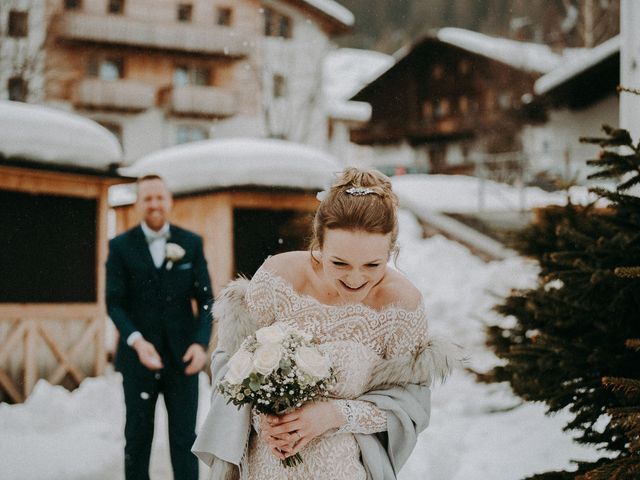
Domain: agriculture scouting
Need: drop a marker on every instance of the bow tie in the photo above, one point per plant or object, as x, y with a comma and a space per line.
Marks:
156, 236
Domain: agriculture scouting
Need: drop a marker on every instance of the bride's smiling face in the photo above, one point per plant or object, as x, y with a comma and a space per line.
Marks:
354, 261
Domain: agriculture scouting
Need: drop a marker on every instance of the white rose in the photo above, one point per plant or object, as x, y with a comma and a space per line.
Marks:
267, 358
174, 252
270, 334
240, 366
312, 362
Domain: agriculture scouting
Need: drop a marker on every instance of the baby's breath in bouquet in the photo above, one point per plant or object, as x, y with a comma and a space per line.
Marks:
277, 370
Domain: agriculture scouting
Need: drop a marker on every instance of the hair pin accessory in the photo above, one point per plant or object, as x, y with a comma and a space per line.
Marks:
359, 191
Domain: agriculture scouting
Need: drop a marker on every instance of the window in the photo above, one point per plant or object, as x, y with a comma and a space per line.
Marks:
279, 86
191, 133
192, 75
107, 68
474, 105
504, 100
116, 7
284, 30
224, 16
17, 87
111, 68
463, 104
442, 108
185, 11
276, 24
464, 66
437, 72
427, 110
18, 23
72, 4
489, 100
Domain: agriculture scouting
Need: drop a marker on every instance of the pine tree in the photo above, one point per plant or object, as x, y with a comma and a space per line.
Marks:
568, 347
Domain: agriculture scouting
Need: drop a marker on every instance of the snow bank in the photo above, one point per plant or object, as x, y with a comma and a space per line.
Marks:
224, 163
46, 135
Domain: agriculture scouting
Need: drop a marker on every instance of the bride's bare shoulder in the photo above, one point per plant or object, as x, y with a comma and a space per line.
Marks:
397, 290
291, 266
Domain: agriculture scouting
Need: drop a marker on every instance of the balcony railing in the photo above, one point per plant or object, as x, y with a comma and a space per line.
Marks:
181, 37
114, 94
194, 100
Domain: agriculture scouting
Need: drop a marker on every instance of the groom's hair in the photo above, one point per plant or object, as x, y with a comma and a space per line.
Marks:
151, 176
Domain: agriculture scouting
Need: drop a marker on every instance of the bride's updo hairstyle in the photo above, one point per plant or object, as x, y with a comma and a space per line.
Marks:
359, 200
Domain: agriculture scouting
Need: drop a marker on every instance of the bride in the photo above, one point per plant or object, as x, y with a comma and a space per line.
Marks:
370, 319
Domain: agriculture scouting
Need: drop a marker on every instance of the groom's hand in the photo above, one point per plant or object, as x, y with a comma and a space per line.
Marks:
196, 357
147, 354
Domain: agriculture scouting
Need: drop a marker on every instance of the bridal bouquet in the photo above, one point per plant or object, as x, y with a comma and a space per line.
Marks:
277, 370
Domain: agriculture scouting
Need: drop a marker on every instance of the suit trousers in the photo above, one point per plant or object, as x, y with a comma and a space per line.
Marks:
180, 392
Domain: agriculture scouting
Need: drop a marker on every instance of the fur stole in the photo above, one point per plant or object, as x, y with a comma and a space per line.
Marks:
435, 361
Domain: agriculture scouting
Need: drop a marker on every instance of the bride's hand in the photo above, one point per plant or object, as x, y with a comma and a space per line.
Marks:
278, 443
301, 426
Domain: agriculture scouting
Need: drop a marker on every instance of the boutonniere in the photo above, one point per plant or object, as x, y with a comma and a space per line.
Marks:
173, 253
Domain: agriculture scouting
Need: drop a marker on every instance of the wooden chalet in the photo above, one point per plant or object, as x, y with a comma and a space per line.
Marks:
447, 99
55, 171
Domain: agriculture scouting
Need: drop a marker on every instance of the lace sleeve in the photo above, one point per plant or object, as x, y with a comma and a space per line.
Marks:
408, 332
361, 417
260, 298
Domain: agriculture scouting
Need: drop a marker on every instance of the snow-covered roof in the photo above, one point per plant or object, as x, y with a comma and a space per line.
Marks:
527, 56
224, 163
345, 72
577, 65
348, 110
333, 9
45, 135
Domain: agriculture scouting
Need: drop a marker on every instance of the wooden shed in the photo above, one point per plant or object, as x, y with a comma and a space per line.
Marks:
55, 171
247, 197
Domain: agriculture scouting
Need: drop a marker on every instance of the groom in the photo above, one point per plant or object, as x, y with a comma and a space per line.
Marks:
154, 271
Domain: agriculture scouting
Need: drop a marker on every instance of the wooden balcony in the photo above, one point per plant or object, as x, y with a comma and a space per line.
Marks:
201, 101
174, 37
444, 129
124, 95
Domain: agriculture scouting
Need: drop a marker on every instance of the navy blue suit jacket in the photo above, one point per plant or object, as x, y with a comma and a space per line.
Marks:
157, 302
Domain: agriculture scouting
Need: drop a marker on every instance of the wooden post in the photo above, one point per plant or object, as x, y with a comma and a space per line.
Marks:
101, 254
30, 356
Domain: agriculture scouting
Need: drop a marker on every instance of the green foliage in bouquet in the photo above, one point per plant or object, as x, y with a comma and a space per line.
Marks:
568, 347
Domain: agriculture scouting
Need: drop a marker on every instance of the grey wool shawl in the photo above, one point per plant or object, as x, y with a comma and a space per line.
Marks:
399, 386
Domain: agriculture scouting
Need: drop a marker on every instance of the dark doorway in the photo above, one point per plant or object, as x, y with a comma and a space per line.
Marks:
260, 233
47, 248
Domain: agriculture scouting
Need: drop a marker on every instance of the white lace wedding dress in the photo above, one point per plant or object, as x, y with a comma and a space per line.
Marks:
356, 337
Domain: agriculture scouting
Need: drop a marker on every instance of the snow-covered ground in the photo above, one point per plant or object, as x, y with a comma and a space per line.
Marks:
477, 431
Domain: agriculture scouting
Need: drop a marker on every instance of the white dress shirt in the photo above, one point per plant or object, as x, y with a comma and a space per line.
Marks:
157, 242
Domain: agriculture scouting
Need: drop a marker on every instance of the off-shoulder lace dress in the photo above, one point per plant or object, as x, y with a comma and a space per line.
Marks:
356, 337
